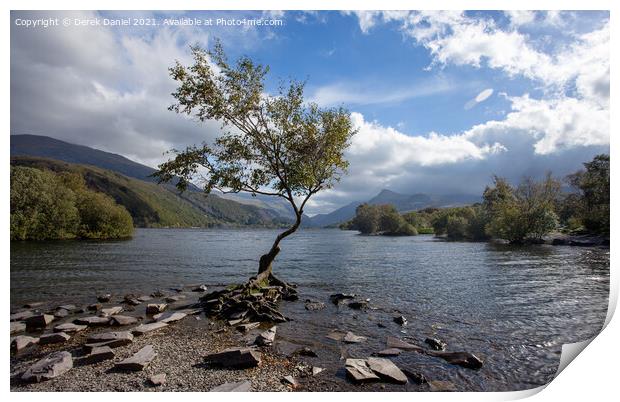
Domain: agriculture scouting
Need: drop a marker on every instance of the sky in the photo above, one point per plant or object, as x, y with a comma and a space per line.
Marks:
442, 101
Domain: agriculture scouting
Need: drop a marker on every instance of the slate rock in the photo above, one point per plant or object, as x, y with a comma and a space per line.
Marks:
68, 307
359, 372
94, 307
400, 320
442, 386
112, 339
110, 311
336, 335
170, 317
306, 351
397, 343
139, 360
104, 298
172, 299
338, 297
120, 320
21, 342
358, 305
201, 288
266, 338
61, 313
389, 352
56, 337
33, 304
145, 328
92, 321
157, 379
314, 305
350, 337
99, 354
51, 366
317, 370
155, 308
235, 358
144, 298
435, 344
22, 315
38, 321
247, 327
415, 377
290, 380
241, 386
463, 359
17, 327
387, 370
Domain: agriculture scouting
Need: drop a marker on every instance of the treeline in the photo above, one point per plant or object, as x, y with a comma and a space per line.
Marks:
380, 219
47, 205
522, 213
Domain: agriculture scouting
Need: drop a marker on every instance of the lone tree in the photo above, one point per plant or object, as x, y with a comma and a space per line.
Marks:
278, 146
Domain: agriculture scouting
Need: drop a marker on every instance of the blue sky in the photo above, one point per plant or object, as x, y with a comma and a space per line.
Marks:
442, 100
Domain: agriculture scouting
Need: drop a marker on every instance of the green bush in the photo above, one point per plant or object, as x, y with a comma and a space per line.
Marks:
45, 205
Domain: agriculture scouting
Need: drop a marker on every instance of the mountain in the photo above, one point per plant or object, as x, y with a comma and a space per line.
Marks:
402, 202
255, 210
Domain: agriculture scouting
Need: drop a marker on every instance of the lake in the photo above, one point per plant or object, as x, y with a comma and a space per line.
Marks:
512, 306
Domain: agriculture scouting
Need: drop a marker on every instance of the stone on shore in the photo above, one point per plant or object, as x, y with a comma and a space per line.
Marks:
435, 344
94, 307
145, 328
338, 297
416, 377
61, 313
38, 321
247, 327
155, 308
22, 315
132, 301
400, 320
144, 298
306, 351
21, 342
51, 366
266, 338
358, 305
110, 311
463, 359
317, 370
56, 337
112, 339
33, 304
389, 352
176, 298
397, 343
358, 371
201, 288
68, 307
92, 321
387, 370
442, 386
139, 360
350, 337
17, 327
104, 298
99, 354
120, 320
157, 379
235, 358
336, 335
290, 380
241, 386
170, 317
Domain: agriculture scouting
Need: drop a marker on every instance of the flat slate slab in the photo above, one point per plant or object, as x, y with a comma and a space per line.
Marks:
170, 316
235, 357
397, 343
158, 379
387, 370
22, 315
17, 327
241, 386
139, 360
112, 339
247, 327
51, 366
56, 337
266, 338
463, 359
38, 321
92, 321
358, 371
350, 337
21, 342
119, 320
146, 328
110, 311
69, 328
389, 352
99, 354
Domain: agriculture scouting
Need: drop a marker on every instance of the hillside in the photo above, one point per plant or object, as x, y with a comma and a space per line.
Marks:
402, 202
152, 205
231, 208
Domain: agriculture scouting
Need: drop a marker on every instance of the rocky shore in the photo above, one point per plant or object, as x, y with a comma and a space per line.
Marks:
163, 342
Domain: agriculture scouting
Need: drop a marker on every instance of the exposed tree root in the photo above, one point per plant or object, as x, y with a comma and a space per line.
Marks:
257, 300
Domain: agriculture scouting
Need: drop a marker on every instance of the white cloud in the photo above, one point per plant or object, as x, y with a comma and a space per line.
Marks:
521, 17
481, 97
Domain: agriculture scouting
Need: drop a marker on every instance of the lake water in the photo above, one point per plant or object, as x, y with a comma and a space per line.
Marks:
512, 306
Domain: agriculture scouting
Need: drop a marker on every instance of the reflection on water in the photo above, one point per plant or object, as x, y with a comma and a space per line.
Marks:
512, 306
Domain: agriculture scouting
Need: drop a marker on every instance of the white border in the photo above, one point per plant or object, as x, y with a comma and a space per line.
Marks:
592, 376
